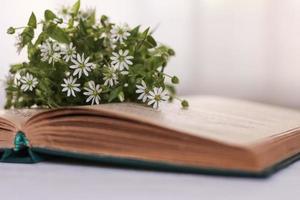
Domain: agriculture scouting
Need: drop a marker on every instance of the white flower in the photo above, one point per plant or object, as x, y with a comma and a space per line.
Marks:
156, 96
69, 52
93, 91
120, 32
143, 91
110, 77
70, 86
64, 12
17, 79
121, 60
55, 57
50, 51
84, 15
28, 82
81, 65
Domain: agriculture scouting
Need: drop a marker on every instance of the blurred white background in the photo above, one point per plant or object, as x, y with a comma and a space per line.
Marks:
247, 49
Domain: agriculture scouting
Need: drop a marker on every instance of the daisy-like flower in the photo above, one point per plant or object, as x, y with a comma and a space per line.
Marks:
93, 91
17, 79
28, 82
110, 77
50, 51
55, 57
81, 65
84, 15
70, 86
64, 12
120, 32
156, 96
69, 52
143, 91
121, 60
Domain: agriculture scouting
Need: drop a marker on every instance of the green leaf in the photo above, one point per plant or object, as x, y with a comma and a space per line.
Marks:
16, 67
75, 8
114, 93
135, 31
49, 15
32, 21
27, 35
152, 41
145, 33
40, 39
57, 34
104, 20
30, 50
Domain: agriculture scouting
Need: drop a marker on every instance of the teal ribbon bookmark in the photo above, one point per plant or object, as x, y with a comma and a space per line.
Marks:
21, 153
21, 142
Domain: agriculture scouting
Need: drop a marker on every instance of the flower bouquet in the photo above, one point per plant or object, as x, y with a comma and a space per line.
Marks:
79, 59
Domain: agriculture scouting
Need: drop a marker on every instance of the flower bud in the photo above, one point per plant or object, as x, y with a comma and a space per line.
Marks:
11, 30
185, 104
175, 80
121, 96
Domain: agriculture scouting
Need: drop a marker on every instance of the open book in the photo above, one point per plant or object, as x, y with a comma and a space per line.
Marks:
215, 135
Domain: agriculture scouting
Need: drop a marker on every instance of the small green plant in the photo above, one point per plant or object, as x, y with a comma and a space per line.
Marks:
78, 59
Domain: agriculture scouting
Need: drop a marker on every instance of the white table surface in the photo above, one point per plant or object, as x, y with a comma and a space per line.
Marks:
57, 180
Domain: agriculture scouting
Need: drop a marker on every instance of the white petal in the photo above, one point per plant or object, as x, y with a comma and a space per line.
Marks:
85, 72
76, 72
159, 91
97, 99
89, 98
151, 102
74, 66
115, 54
145, 98
92, 84
140, 91
73, 93
155, 105
76, 89
128, 62
78, 58
152, 94
125, 52
87, 60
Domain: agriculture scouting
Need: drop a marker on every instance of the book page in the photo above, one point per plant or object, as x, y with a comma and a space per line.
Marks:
18, 116
225, 120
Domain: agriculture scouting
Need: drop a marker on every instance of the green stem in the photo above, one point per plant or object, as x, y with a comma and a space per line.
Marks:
22, 27
168, 75
177, 98
105, 60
